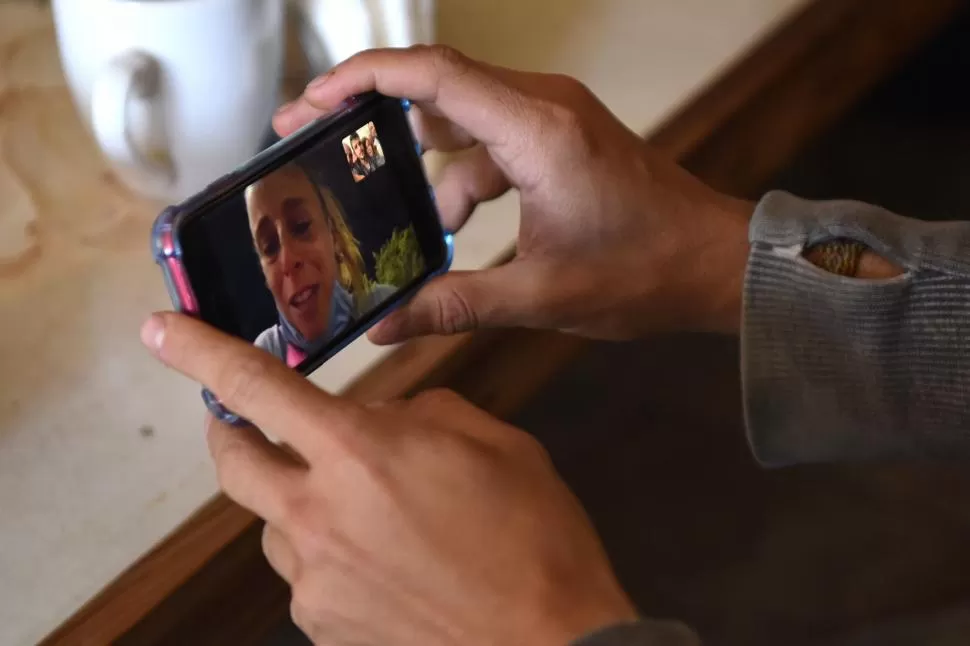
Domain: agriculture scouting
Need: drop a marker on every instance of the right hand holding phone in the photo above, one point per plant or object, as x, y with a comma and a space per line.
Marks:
614, 241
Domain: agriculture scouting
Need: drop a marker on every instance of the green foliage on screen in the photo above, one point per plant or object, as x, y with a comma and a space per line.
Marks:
400, 260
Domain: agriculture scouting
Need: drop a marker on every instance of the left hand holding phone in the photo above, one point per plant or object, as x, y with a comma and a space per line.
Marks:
415, 522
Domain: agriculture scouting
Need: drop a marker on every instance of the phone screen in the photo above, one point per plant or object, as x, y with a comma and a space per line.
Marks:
309, 253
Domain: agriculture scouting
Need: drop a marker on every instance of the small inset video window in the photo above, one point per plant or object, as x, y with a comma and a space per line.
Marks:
363, 151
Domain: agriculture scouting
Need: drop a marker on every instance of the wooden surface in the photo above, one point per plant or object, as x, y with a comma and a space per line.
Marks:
878, 34
763, 106
749, 556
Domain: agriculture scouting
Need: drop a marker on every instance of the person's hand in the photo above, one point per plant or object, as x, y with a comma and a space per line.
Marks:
422, 522
614, 240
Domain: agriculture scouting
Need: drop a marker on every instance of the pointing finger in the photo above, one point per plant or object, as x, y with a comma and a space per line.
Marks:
249, 381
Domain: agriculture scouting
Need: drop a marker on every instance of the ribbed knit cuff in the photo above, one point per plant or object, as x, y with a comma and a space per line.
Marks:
839, 368
642, 633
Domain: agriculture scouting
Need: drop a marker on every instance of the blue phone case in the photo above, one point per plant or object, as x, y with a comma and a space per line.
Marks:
167, 253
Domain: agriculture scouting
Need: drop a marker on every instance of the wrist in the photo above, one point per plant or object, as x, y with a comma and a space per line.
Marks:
719, 266
574, 617
574, 632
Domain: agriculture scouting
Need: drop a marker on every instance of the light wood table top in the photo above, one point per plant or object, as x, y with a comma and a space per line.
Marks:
101, 450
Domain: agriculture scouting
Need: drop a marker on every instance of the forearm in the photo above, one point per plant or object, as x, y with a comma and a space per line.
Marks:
876, 365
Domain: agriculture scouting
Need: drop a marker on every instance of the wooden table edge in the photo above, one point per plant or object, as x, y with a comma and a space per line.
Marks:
840, 46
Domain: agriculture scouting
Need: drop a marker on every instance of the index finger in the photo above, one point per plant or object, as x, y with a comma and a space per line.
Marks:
248, 381
467, 93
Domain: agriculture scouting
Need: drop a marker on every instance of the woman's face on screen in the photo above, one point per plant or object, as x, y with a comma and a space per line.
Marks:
295, 246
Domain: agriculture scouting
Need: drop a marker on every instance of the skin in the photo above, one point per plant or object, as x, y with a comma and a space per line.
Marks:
372, 135
598, 206
357, 147
426, 521
295, 248
871, 265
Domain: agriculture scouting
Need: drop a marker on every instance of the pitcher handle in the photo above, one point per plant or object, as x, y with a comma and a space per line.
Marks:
128, 78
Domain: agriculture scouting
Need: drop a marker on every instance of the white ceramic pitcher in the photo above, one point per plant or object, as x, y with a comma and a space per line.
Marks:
334, 30
177, 92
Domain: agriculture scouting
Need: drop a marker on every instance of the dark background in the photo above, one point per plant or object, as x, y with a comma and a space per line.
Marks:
222, 262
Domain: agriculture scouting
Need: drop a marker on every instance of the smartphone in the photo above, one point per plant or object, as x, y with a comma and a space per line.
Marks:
311, 242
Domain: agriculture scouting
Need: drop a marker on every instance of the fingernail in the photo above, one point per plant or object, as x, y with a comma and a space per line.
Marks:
319, 81
286, 107
153, 333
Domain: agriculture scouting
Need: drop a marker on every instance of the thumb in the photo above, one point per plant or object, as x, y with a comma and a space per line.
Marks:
459, 301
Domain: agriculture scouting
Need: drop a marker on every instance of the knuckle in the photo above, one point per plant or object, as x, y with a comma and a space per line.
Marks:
530, 448
538, 449
574, 90
240, 378
313, 547
447, 63
294, 510
570, 137
344, 431
455, 313
567, 118
570, 95
563, 114
310, 538
437, 397
227, 466
445, 57
310, 599
298, 613
266, 540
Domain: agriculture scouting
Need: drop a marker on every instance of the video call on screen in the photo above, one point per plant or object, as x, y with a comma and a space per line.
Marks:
295, 260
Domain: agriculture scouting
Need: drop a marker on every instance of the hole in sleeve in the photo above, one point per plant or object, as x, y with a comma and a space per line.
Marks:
847, 257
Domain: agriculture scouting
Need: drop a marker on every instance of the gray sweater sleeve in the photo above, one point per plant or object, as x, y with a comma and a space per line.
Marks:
842, 368
643, 633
